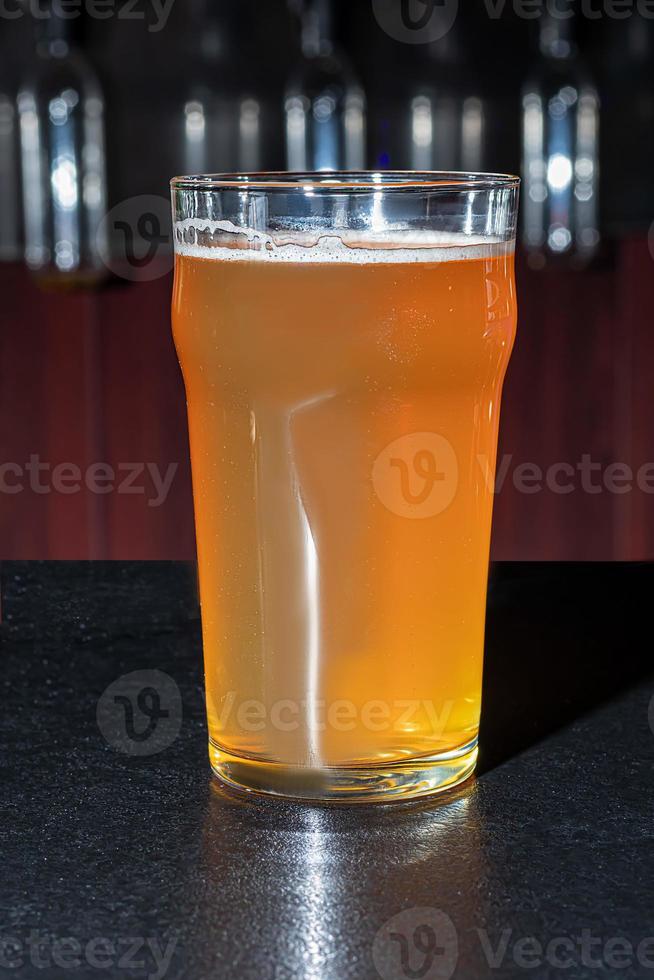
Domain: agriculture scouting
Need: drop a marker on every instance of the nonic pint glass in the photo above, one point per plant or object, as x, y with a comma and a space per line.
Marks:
343, 339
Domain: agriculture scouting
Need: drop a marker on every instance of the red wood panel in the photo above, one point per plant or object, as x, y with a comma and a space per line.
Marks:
49, 421
143, 397
634, 416
72, 424
23, 529
557, 409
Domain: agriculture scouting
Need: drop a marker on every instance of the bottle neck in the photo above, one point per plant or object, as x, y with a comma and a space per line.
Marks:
557, 36
317, 28
205, 30
55, 35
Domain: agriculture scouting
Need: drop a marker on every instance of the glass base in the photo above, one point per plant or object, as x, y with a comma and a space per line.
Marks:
398, 781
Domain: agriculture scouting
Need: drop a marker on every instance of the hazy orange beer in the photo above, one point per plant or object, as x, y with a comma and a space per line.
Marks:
343, 369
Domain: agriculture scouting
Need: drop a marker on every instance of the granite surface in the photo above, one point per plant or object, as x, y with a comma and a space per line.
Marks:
122, 861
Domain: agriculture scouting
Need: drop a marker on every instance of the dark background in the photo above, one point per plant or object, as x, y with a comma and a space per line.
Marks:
87, 367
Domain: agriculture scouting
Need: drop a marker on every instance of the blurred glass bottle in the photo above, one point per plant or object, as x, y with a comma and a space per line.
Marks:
222, 118
11, 244
61, 113
431, 112
628, 114
560, 127
325, 109
447, 118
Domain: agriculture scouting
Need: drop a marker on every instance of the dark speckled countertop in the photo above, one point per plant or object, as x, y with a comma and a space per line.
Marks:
136, 865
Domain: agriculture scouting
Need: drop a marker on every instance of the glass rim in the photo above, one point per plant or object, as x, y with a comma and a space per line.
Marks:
346, 181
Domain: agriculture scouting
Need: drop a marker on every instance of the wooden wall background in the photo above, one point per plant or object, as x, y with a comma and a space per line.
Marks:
93, 377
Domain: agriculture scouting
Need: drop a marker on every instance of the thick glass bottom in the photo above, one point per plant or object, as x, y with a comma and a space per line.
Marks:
401, 781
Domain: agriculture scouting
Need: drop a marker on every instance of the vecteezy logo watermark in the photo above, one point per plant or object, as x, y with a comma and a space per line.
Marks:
560, 953
586, 476
155, 12
145, 955
417, 944
422, 943
43, 478
425, 21
141, 712
416, 475
401, 715
416, 21
135, 238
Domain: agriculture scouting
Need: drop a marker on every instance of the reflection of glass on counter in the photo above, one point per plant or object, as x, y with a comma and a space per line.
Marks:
306, 874
560, 108
61, 112
324, 105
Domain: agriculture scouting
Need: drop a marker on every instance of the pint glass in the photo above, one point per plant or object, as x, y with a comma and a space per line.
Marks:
343, 339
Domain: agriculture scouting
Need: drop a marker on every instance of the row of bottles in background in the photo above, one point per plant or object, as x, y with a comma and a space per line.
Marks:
446, 121
443, 124
223, 126
439, 122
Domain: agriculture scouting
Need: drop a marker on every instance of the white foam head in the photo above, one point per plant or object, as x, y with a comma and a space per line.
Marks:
225, 242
